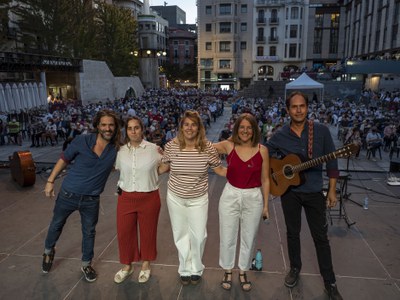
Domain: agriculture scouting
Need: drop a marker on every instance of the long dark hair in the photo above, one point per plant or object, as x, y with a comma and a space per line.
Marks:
117, 133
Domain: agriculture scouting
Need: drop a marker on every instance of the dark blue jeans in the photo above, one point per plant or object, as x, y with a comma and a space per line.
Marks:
315, 209
66, 204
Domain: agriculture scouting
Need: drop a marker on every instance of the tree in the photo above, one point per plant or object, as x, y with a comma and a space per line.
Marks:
79, 19
116, 39
79, 29
188, 72
41, 25
5, 33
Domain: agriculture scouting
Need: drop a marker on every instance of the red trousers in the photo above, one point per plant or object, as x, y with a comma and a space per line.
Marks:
135, 209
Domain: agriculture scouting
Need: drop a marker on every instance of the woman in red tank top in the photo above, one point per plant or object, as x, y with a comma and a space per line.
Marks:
244, 198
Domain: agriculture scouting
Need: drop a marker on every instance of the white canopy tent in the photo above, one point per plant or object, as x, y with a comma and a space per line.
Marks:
304, 82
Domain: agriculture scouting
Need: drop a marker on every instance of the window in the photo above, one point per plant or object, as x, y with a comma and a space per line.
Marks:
317, 48
208, 46
225, 64
243, 45
225, 9
333, 41
260, 33
335, 20
208, 27
274, 15
319, 20
224, 46
261, 16
294, 13
260, 51
293, 31
273, 34
243, 26
225, 27
175, 42
243, 8
208, 9
272, 51
206, 62
292, 50
186, 43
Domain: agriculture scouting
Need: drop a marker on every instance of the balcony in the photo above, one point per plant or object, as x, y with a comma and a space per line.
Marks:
260, 40
273, 39
273, 21
261, 21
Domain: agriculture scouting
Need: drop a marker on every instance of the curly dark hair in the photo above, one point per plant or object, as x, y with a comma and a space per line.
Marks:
117, 133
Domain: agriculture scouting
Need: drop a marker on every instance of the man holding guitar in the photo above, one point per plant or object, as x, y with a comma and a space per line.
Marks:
307, 139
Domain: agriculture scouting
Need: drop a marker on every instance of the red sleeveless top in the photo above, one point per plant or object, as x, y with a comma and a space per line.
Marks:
244, 174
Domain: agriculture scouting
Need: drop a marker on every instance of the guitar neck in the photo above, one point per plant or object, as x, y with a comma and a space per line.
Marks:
314, 162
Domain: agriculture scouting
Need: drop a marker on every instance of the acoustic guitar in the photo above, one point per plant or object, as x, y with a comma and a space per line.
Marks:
23, 169
286, 172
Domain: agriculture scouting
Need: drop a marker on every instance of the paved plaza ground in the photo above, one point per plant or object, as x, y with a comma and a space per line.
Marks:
365, 254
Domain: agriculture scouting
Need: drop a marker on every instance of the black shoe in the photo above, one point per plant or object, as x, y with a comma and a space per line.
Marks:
195, 279
185, 280
90, 273
48, 261
292, 277
332, 291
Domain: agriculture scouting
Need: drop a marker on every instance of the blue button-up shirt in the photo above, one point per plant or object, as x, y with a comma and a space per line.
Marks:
89, 172
285, 141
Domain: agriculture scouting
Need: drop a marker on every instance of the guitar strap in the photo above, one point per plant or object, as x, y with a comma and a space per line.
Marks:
310, 138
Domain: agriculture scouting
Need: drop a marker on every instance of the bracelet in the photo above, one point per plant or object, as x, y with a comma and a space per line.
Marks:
48, 181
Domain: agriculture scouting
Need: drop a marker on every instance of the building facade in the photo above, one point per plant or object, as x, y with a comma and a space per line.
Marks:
181, 47
172, 13
325, 41
371, 29
243, 41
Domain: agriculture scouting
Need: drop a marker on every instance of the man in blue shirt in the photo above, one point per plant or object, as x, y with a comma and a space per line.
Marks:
294, 138
93, 155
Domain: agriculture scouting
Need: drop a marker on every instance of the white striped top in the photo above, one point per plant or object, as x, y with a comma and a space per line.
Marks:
189, 169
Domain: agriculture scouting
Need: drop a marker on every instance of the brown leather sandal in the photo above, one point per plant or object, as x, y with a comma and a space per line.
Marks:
225, 283
245, 282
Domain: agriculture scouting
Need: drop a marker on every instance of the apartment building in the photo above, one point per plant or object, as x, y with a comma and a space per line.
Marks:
371, 29
225, 43
243, 41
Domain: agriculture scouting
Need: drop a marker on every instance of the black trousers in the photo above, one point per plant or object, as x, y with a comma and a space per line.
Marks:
315, 210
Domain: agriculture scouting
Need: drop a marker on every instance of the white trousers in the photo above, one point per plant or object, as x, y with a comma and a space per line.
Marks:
189, 221
238, 207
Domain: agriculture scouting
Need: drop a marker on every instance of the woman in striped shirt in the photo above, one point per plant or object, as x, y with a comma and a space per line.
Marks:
189, 156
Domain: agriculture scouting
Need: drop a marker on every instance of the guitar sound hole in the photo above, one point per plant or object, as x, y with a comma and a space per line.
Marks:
287, 171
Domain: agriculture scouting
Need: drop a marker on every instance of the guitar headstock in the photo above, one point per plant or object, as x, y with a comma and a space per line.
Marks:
347, 150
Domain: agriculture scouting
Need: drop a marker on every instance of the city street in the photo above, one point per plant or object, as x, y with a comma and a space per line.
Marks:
365, 255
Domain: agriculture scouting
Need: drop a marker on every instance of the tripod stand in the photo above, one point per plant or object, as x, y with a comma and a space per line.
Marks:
340, 212
344, 177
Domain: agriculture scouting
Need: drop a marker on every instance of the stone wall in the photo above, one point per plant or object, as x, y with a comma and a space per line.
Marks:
97, 83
